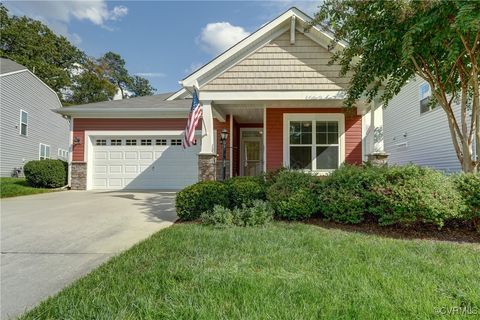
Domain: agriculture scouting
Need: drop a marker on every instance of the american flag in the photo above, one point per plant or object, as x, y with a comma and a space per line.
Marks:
193, 118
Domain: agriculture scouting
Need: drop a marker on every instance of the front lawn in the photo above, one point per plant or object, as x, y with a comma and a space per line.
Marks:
282, 271
13, 187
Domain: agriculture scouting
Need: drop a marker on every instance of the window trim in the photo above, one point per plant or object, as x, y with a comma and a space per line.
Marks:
339, 117
21, 122
40, 151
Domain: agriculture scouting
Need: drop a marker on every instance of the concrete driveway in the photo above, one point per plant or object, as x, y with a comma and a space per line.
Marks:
52, 239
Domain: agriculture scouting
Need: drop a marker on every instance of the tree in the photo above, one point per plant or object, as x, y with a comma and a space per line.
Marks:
34, 45
141, 87
389, 42
114, 67
90, 85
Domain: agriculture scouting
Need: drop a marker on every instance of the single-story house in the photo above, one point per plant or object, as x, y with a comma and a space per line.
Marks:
29, 130
274, 92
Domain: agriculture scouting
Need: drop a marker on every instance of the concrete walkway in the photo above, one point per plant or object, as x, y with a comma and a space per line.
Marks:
50, 240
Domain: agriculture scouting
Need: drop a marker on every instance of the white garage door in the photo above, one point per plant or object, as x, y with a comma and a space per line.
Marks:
151, 162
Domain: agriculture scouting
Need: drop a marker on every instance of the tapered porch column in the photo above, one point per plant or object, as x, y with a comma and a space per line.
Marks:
377, 154
207, 156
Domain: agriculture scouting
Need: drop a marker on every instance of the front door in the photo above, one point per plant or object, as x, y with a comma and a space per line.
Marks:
251, 163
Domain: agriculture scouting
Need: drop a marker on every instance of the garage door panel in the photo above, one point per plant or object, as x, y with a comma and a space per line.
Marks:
144, 167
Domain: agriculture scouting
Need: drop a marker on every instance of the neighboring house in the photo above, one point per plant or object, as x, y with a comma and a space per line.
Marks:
414, 132
274, 92
30, 130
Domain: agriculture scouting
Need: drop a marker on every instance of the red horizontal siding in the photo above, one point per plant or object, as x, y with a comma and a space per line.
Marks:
274, 128
219, 126
81, 125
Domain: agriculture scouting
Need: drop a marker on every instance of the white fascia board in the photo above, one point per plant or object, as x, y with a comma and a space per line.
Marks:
219, 114
271, 95
124, 113
13, 72
177, 94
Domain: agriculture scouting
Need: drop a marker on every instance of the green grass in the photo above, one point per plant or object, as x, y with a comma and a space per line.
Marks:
13, 187
283, 271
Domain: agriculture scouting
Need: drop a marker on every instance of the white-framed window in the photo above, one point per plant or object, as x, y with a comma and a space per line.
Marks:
100, 142
425, 96
161, 142
146, 142
176, 142
115, 142
23, 123
131, 142
62, 154
44, 151
314, 142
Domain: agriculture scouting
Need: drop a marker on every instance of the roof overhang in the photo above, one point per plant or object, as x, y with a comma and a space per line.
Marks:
123, 112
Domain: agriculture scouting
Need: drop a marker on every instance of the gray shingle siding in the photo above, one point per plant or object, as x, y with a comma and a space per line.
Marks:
23, 91
427, 142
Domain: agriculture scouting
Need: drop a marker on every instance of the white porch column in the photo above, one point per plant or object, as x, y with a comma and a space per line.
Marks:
207, 157
207, 129
377, 154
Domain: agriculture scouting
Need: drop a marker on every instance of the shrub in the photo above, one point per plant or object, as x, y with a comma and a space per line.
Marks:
292, 195
393, 195
259, 213
47, 173
219, 216
192, 201
344, 194
410, 194
245, 190
468, 186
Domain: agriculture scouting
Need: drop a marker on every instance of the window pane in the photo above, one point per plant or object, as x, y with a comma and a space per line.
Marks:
332, 138
131, 142
300, 132
161, 142
425, 105
300, 157
321, 126
333, 127
42, 151
327, 157
47, 151
146, 142
321, 138
101, 142
23, 129
24, 117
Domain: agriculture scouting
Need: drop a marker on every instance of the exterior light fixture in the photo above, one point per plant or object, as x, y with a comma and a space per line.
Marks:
223, 140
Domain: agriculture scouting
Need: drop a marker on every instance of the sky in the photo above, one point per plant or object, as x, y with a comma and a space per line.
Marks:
163, 41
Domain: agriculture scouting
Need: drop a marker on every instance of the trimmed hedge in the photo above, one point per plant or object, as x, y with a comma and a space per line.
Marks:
200, 197
468, 186
47, 173
245, 190
392, 195
292, 194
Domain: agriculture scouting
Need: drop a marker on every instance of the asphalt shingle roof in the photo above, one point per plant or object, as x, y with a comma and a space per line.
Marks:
7, 65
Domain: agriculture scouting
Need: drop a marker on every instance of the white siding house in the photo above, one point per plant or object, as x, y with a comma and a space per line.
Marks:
30, 130
413, 133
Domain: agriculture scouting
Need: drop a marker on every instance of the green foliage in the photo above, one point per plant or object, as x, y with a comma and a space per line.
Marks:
14, 187
219, 217
410, 194
344, 194
245, 190
390, 42
393, 195
258, 213
292, 194
34, 45
469, 187
140, 87
91, 85
45, 173
200, 197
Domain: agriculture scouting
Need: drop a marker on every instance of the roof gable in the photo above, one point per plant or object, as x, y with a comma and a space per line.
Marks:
253, 43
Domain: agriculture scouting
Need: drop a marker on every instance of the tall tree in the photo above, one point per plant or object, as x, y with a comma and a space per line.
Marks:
141, 87
115, 70
390, 42
34, 45
91, 85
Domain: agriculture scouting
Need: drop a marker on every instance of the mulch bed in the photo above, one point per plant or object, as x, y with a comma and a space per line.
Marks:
450, 232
